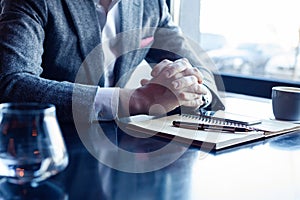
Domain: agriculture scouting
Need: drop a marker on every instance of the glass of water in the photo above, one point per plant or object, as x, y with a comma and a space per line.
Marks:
31, 144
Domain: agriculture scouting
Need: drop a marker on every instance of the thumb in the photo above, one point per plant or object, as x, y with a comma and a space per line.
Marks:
144, 82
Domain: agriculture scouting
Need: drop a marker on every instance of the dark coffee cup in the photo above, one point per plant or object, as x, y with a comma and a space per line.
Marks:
286, 103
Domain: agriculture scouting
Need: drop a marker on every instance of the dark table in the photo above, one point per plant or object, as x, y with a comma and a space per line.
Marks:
265, 169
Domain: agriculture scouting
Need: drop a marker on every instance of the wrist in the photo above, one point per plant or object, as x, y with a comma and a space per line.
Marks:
133, 102
140, 101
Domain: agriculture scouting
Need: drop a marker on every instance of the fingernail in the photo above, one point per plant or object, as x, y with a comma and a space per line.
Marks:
175, 84
167, 74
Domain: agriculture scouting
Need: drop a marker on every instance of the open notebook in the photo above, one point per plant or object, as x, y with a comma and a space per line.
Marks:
209, 138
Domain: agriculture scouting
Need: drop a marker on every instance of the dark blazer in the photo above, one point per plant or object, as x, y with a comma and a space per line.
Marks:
50, 50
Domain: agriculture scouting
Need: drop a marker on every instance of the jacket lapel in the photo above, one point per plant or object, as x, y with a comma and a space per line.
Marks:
128, 13
86, 23
130, 18
83, 14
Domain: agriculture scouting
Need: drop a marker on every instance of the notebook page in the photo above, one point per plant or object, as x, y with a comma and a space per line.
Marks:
164, 125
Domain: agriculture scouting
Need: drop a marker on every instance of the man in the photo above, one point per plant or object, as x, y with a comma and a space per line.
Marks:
59, 51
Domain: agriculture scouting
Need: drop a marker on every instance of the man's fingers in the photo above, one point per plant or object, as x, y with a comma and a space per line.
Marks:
157, 69
197, 88
187, 96
169, 69
192, 103
195, 72
181, 79
177, 67
184, 82
191, 96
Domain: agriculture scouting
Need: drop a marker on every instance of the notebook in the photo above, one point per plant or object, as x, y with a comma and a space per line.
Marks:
210, 138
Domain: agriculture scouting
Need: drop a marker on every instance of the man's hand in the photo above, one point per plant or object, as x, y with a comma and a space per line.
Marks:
173, 84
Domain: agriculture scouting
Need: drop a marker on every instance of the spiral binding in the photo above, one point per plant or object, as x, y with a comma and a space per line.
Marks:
215, 120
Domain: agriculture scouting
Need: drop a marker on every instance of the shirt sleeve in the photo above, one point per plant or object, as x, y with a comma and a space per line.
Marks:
106, 103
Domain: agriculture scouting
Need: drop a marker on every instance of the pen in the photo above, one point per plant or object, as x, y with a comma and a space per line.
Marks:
196, 126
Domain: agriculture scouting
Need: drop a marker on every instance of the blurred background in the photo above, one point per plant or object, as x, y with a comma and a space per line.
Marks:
257, 38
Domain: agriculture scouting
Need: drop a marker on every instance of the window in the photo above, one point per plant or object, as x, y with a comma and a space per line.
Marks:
255, 44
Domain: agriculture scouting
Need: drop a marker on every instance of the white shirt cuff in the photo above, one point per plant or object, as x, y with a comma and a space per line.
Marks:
106, 103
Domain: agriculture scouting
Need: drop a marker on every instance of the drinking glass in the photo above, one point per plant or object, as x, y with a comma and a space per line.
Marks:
31, 144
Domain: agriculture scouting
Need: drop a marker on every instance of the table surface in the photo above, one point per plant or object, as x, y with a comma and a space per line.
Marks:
125, 167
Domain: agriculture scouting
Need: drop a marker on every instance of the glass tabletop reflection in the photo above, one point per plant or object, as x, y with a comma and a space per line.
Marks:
266, 169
